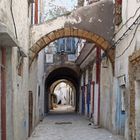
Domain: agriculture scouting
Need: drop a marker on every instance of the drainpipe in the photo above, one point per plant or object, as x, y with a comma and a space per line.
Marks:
93, 84
3, 95
36, 11
86, 90
98, 69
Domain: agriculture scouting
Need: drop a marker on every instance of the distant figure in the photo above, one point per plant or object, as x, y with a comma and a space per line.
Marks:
59, 102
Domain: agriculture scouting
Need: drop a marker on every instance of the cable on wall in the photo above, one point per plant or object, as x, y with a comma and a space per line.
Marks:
13, 19
130, 42
126, 32
127, 21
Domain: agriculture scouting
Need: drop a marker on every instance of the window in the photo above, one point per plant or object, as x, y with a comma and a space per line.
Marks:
67, 45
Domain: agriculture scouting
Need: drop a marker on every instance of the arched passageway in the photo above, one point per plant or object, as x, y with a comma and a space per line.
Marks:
89, 23
63, 74
62, 97
97, 30
72, 32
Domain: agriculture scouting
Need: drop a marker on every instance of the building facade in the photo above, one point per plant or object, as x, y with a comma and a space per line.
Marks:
99, 55
14, 45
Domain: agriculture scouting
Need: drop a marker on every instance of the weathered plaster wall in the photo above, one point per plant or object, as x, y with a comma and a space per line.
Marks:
104, 118
134, 77
41, 84
9, 96
137, 108
17, 89
21, 22
95, 114
106, 93
5, 14
83, 18
122, 57
20, 98
33, 83
128, 10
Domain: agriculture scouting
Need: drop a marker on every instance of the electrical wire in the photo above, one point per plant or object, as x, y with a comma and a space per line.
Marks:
13, 19
129, 43
15, 26
126, 32
127, 21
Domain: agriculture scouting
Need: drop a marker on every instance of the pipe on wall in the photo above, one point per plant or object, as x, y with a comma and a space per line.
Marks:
98, 73
36, 11
93, 85
3, 95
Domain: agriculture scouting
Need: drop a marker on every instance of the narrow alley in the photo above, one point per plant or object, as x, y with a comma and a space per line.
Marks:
69, 126
69, 69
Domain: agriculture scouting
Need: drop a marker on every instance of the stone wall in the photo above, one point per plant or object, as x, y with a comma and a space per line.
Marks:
134, 75
124, 49
81, 3
17, 88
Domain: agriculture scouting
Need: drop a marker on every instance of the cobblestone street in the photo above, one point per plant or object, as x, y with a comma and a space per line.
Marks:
69, 127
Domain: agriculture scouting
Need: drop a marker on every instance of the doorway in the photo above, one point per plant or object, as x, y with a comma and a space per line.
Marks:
30, 112
63, 98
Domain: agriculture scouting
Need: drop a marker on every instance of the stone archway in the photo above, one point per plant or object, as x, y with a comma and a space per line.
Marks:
71, 100
62, 73
89, 22
71, 32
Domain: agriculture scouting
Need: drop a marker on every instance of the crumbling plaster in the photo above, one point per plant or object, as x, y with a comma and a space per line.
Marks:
87, 22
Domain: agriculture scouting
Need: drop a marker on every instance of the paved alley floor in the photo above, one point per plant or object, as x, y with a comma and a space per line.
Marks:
63, 108
69, 127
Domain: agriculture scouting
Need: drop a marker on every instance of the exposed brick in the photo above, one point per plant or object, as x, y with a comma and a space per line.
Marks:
89, 35
57, 35
105, 45
51, 36
67, 31
134, 56
134, 60
100, 41
46, 39
80, 33
111, 54
31, 57
41, 42
85, 34
71, 31
94, 38
35, 48
61, 33
75, 32
31, 54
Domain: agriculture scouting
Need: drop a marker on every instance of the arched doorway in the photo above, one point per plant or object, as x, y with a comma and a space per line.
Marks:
57, 76
62, 97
